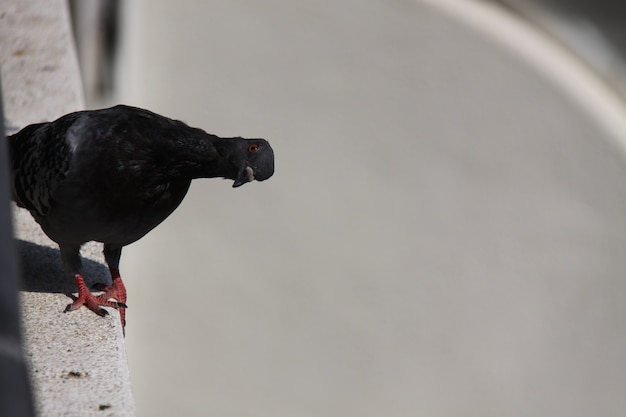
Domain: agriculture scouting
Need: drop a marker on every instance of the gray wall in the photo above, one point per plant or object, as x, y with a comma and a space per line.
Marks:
444, 234
15, 394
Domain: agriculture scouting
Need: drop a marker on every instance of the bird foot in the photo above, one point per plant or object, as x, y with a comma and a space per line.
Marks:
92, 302
117, 292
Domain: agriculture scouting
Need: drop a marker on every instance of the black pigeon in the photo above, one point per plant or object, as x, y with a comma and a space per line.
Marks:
112, 175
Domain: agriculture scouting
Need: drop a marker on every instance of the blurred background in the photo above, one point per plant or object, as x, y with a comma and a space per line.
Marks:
445, 233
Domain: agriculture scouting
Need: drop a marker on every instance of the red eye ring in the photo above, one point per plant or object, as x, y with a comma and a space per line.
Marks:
253, 148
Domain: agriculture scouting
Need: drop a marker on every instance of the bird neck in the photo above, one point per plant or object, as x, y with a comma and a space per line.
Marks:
202, 156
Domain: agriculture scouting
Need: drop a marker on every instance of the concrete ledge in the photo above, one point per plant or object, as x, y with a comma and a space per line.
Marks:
77, 361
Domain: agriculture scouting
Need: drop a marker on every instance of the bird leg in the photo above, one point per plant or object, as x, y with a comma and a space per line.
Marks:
117, 291
92, 302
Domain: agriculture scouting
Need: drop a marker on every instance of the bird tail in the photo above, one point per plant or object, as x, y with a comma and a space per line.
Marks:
19, 160
10, 142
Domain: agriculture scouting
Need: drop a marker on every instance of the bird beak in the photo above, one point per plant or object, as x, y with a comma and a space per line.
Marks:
245, 175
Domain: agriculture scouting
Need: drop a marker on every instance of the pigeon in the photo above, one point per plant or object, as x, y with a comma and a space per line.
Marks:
112, 175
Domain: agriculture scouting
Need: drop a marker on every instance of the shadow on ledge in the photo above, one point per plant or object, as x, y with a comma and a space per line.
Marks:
42, 271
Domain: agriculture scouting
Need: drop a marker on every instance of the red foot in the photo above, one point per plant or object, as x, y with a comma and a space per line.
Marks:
86, 298
117, 291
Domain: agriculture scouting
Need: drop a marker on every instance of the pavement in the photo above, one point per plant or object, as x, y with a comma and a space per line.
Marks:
77, 361
444, 233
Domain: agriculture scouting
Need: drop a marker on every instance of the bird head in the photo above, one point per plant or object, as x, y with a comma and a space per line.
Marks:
255, 161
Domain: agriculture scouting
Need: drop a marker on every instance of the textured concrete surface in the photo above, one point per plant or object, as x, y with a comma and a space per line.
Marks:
444, 235
77, 360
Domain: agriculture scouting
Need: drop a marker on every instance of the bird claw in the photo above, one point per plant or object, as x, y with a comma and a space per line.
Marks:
106, 302
113, 296
93, 307
92, 302
116, 292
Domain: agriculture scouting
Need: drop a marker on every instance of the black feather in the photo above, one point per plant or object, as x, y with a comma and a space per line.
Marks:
112, 175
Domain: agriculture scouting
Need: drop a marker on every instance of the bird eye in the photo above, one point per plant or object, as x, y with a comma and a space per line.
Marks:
253, 148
